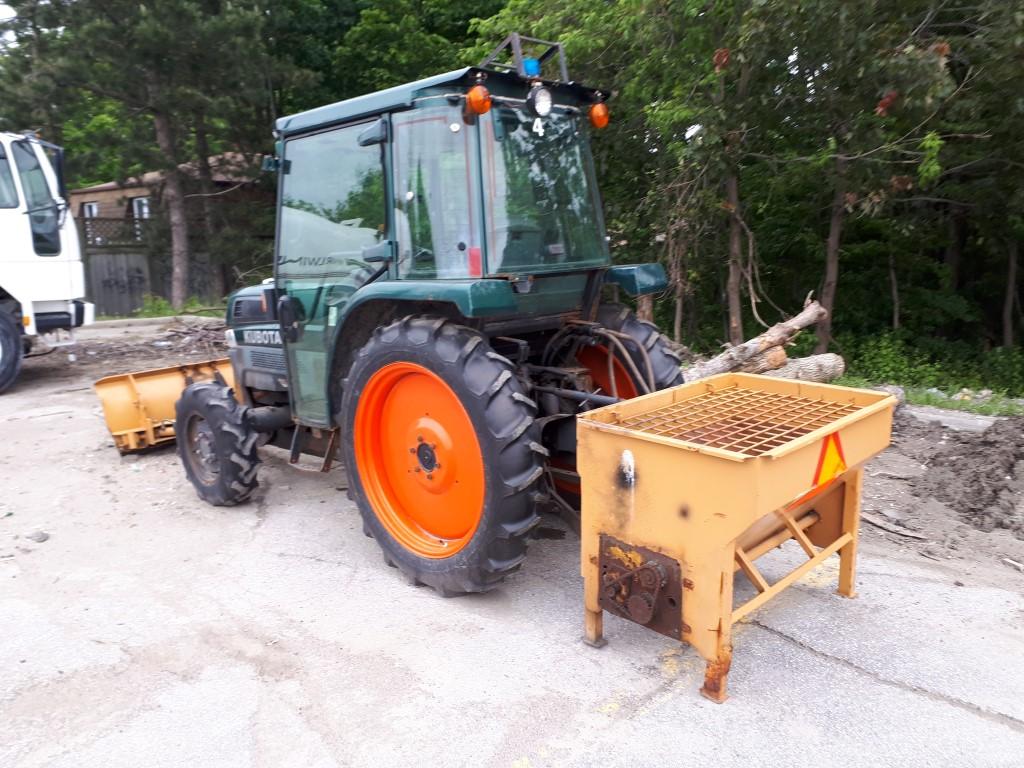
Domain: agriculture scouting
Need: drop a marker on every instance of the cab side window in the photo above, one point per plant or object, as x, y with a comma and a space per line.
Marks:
436, 197
43, 215
332, 205
8, 194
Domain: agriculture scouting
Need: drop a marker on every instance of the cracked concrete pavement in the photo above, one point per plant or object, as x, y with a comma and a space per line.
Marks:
153, 630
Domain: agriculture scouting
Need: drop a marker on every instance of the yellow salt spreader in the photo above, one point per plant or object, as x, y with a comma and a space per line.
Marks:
683, 487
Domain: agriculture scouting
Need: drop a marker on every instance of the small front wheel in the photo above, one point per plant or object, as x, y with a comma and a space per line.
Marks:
216, 446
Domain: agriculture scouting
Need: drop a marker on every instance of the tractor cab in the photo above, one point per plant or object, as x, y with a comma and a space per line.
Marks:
473, 191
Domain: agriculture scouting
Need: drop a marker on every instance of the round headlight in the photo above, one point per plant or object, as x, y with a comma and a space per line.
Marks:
540, 101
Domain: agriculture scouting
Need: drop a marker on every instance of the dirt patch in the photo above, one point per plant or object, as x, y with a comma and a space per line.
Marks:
105, 353
951, 495
981, 476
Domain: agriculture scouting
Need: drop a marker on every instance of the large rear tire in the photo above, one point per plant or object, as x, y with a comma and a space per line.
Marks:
216, 446
11, 350
443, 454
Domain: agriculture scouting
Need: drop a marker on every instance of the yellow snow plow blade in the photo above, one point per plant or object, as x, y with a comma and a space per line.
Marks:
139, 407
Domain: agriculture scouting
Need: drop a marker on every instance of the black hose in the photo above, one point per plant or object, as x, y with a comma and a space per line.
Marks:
651, 381
579, 397
627, 358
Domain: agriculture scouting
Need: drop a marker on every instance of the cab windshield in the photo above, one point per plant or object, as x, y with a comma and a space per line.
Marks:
542, 208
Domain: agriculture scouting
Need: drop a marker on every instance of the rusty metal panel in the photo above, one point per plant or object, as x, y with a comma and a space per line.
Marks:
641, 585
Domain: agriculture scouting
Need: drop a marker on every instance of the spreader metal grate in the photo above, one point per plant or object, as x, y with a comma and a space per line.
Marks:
746, 421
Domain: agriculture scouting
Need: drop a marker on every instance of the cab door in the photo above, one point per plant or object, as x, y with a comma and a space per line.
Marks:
331, 232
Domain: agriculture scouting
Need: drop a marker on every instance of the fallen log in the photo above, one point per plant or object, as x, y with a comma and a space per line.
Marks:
769, 360
777, 336
821, 368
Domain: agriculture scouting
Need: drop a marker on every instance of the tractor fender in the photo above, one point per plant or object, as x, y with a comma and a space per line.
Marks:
377, 304
638, 279
473, 298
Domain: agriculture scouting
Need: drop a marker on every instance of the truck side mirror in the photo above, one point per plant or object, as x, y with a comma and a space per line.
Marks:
375, 133
290, 316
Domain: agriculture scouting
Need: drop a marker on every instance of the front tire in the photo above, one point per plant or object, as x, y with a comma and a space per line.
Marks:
11, 351
216, 446
443, 454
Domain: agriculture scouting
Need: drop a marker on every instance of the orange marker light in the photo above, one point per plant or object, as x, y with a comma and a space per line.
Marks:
599, 115
478, 100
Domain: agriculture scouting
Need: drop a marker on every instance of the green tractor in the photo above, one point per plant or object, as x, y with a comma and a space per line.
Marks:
438, 311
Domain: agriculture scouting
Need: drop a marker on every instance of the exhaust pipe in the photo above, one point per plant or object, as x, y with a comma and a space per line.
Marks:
269, 418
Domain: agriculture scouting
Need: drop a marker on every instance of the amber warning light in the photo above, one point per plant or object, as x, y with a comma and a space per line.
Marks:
478, 100
599, 115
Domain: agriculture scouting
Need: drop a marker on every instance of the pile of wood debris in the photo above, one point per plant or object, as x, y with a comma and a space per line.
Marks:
766, 354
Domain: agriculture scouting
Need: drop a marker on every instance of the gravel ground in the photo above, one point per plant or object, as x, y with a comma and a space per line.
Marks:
148, 629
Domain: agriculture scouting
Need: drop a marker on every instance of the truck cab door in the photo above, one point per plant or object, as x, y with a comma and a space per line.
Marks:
332, 228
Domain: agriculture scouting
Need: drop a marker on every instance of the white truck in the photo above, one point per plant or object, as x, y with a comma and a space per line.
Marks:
42, 279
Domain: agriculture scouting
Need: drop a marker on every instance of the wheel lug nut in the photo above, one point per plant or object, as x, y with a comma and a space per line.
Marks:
430, 477
419, 438
412, 450
417, 469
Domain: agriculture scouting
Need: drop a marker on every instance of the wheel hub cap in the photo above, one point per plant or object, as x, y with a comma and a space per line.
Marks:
427, 457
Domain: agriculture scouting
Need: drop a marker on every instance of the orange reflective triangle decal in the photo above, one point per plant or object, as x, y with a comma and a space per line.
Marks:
831, 463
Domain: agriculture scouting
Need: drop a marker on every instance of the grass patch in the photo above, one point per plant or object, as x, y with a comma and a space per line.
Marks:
157, 306
996, 405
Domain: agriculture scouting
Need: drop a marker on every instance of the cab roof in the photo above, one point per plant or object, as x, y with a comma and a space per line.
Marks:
402, 96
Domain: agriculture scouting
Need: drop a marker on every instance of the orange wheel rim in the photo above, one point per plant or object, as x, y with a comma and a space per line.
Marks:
595, 360
419, 460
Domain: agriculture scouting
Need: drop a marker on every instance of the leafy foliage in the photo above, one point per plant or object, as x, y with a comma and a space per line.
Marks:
744, 133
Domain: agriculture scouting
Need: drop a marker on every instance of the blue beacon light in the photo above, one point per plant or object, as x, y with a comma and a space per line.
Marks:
531, 67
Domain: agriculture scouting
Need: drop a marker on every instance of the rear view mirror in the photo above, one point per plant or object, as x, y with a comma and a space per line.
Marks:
375, 133
291, 317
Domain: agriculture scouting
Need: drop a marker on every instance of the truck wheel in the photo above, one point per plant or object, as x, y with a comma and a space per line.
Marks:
10, 350
216, 446
664, 362
443, 454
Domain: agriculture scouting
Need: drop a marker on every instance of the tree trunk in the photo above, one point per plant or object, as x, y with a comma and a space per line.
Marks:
742, 354
894, 290
1012, 252
835, 232
175, 200
732, 196
677, 279
645, 308
820, 368
677, 320
953, 255
214, 273
732, 287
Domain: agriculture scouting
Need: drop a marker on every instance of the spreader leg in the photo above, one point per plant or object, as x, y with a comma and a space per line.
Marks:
594, 629
717, 671
851, 525
716, 674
